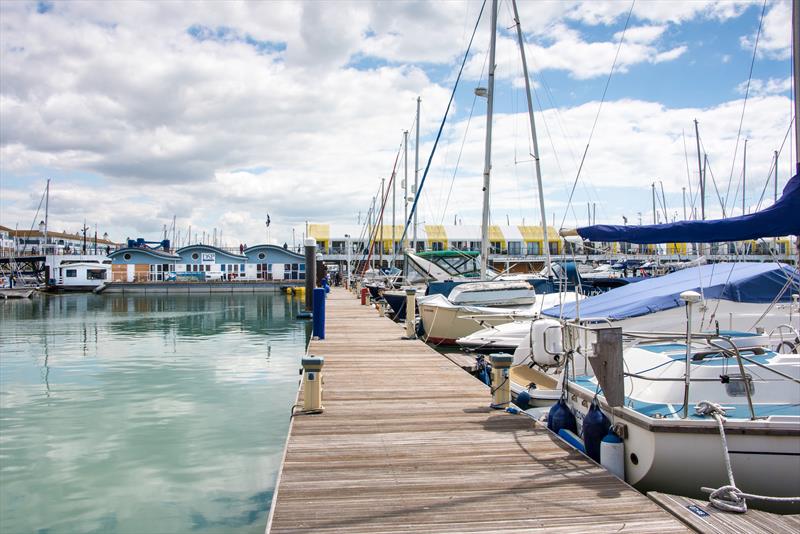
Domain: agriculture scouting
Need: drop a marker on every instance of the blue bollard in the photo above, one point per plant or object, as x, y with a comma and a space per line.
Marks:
318, 328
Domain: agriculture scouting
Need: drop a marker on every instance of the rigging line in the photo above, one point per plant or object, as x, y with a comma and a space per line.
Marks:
774, 164
441, 126
599, 109
744, 104
463, 140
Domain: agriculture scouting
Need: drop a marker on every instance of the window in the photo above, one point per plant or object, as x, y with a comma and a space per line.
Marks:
222, 267
126, 256
514, 248
72, 273
195, 255
437, 245
261, 255
495, 247
553, 247
96, 274
533, 248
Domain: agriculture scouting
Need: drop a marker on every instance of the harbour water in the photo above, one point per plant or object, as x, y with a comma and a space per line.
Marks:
159, 414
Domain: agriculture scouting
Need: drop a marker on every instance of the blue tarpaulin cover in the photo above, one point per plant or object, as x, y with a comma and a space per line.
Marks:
780, 219
739, 282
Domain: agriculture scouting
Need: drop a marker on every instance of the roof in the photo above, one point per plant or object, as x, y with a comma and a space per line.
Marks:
144, 250
274, 248
737, 282
57, 235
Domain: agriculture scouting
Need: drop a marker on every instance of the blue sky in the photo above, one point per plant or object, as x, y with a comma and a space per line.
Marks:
219, 113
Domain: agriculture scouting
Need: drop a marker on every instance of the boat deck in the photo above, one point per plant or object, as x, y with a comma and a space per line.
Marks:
407, 443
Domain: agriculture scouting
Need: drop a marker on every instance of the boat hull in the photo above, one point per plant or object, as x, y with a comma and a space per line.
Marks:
444, 325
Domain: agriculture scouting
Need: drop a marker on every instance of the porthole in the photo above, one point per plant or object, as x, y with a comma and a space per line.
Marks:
127, 256
261, 255
195, 256
634, 459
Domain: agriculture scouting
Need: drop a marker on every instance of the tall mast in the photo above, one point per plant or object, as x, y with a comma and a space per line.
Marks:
487, 166
533, 133
394, 194
775, 194
700, 174
383, 204
416, 176
405, 194
684, 203
653, 187
796, 68
744, 176
46, 215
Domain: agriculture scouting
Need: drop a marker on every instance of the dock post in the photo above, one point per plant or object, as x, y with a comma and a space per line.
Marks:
364, 292
411, 299
501, 382
318, 321
311, 271
312, 383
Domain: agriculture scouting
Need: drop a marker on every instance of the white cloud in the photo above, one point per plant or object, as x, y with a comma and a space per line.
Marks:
772, 86
775, 41
264, 110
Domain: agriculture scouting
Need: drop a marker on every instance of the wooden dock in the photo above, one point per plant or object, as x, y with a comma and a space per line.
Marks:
704, 518
407, 443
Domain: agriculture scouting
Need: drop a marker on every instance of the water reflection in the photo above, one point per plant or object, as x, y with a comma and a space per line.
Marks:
144, 413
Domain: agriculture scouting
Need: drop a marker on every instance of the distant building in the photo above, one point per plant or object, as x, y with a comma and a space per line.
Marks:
37, 242
206, 262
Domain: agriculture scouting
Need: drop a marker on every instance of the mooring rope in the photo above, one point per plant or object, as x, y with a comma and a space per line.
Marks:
730, 498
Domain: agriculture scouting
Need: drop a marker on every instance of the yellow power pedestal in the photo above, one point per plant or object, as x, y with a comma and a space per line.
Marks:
501, 382
312, 382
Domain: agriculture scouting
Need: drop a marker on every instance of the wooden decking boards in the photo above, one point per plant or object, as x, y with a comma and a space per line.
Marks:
407, 443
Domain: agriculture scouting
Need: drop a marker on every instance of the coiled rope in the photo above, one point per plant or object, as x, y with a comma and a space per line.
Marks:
730, 498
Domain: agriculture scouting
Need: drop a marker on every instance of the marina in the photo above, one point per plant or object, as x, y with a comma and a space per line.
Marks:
409, 266
407, 441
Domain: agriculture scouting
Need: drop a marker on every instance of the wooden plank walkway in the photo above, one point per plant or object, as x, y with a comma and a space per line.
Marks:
407, 443
704, 518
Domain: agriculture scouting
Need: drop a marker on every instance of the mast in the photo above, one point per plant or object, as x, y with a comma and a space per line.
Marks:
394, 222
405, 195
653, 187
383, 203
487, 166
46, 214
744, 176
796, 70
775, 194
684, 203
701, 177
533, 131
416, 177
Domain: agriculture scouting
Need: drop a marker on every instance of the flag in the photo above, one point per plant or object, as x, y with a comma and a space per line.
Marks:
268, 220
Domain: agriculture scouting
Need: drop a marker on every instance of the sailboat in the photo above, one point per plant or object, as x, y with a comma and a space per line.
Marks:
504, 299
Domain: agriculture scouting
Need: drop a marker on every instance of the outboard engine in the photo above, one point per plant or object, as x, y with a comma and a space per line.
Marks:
543, 345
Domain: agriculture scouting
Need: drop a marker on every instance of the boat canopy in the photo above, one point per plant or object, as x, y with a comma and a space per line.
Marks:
738, 282
780, 219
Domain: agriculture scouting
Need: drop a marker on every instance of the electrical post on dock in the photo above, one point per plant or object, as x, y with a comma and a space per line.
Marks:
411, 306
311, 271
501, 383
312, 383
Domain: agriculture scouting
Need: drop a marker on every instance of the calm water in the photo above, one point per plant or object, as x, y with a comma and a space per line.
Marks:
144, 413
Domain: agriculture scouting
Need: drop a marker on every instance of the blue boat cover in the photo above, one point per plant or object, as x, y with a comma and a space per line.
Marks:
780, 219
739, 282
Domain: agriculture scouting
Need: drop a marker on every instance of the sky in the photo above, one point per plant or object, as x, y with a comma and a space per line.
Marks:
218, 114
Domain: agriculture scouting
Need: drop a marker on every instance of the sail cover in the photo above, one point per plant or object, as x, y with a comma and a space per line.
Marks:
738, 282
780, 219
